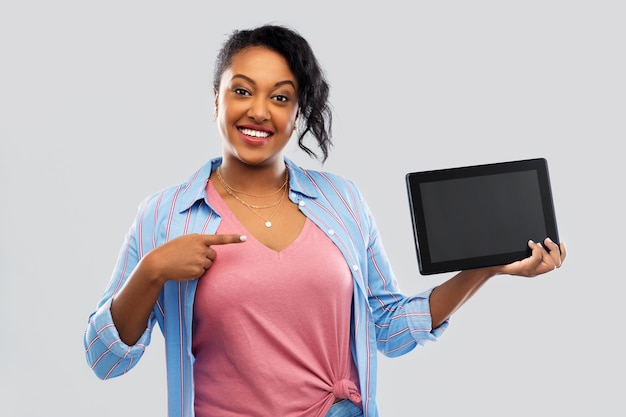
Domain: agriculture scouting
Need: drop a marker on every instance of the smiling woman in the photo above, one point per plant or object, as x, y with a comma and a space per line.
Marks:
256, 108
269, 281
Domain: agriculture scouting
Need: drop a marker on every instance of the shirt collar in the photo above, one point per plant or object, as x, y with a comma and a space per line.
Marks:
194, 189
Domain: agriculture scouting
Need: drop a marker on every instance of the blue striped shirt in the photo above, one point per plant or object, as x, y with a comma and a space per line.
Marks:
384, 319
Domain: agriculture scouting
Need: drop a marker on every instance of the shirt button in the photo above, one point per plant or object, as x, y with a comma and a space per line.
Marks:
355, 267
331, 232
301, 203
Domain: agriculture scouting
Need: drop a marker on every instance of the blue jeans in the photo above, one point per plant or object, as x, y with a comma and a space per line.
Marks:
345, 408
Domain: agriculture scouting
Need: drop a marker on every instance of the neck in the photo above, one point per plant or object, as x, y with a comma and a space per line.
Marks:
254, 179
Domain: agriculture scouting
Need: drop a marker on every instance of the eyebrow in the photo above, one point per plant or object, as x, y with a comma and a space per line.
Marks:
278, 84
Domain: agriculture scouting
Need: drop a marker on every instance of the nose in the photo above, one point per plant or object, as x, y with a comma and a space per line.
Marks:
259, 110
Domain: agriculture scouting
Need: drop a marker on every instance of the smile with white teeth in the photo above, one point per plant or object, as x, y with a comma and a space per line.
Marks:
254, 133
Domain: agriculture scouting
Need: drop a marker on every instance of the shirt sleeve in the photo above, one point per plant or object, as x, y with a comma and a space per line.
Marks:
402, 322
105, 352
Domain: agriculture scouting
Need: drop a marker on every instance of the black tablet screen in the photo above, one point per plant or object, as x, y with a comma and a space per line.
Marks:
469, 217
480, 216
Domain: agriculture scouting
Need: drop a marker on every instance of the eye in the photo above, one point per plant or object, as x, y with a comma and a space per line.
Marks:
281, 98
241, 91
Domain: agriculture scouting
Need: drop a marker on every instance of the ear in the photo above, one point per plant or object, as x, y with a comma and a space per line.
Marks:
215, 92
295, 122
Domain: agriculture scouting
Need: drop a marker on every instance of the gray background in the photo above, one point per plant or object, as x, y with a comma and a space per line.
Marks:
102, 103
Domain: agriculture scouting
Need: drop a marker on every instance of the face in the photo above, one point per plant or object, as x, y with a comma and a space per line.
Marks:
257, 106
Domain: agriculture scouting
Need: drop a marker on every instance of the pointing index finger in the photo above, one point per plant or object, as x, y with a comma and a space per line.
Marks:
225, 239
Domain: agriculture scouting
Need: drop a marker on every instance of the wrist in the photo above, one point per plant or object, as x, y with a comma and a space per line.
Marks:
150, 271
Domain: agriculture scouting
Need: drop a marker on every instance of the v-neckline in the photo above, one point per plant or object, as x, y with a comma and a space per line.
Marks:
225, 211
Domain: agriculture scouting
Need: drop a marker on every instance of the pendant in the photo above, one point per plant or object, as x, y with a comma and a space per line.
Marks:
268, 224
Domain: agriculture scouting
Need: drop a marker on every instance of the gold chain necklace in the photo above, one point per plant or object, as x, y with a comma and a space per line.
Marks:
253, 208
221, 178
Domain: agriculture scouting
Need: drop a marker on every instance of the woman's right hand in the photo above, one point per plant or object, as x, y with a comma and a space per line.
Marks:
186, 257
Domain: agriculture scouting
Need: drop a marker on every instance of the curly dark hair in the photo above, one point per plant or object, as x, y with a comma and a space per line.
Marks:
315, 110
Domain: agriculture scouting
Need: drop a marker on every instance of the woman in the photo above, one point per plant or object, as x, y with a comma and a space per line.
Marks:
269, 281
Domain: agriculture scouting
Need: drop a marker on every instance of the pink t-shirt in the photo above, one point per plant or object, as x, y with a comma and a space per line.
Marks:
271, 330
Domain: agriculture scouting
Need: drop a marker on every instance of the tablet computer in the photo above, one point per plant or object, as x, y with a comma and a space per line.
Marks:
481, 215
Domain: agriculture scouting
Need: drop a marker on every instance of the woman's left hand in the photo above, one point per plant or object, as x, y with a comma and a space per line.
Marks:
543, 258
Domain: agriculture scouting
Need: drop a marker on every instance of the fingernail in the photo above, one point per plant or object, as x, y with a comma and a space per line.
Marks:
243, 238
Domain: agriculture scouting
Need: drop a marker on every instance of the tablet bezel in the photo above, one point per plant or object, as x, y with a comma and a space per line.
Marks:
413, 181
